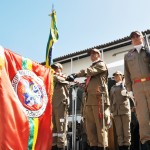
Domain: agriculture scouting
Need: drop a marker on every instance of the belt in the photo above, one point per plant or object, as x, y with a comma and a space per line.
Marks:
142, 80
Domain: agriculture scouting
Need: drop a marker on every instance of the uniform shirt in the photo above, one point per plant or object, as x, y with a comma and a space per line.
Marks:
136, 66
119, 104
61, 92
99, 77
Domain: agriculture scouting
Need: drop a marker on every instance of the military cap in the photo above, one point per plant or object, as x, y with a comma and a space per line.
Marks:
94, 50
118, 72
57, 66
135, 32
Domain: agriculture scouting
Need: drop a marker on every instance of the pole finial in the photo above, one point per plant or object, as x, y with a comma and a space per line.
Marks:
52, 10
52, 7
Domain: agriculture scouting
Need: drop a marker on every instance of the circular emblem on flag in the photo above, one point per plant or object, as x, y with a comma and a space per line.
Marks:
31, 92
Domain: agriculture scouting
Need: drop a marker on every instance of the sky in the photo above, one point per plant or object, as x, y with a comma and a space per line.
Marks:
82, 24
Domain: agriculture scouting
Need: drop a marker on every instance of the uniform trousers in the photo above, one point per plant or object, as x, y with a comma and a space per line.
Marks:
142, 99
122, 124
59, 126
96, 134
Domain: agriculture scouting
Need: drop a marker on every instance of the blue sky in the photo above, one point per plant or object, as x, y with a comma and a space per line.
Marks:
25, 25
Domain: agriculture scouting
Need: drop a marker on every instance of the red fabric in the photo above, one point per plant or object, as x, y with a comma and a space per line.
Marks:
142, 80
87, 80
14, 125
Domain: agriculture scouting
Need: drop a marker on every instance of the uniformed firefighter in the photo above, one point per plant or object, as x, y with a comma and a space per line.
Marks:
120, 108
137, 77
60, 102
97, 78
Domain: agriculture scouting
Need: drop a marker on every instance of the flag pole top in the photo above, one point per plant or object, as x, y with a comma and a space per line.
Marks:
52, 10
52, 7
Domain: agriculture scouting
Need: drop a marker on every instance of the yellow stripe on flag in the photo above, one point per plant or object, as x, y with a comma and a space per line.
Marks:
36, 127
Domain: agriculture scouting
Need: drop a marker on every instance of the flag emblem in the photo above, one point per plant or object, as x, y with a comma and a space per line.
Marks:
31, 92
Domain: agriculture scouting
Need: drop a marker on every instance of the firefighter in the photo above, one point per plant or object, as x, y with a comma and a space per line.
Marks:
120, 108
97, 101
60, 103
137, 77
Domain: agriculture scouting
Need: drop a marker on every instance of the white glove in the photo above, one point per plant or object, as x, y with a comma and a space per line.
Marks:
130, 94
82, 119
124, 92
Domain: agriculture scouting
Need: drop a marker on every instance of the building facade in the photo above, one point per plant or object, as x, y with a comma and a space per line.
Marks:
112, 53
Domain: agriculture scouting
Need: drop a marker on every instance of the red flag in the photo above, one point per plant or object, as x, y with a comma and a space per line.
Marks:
25, 104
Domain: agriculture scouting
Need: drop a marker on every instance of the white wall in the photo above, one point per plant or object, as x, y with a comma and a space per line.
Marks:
77, 65
115, 59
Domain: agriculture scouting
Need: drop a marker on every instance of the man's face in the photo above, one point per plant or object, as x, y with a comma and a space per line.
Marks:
137, 39
94, 56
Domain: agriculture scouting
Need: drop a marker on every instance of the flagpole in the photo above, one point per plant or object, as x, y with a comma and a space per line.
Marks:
52, 7
53, 37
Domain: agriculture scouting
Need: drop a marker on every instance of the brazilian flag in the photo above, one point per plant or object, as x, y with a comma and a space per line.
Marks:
53, 37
